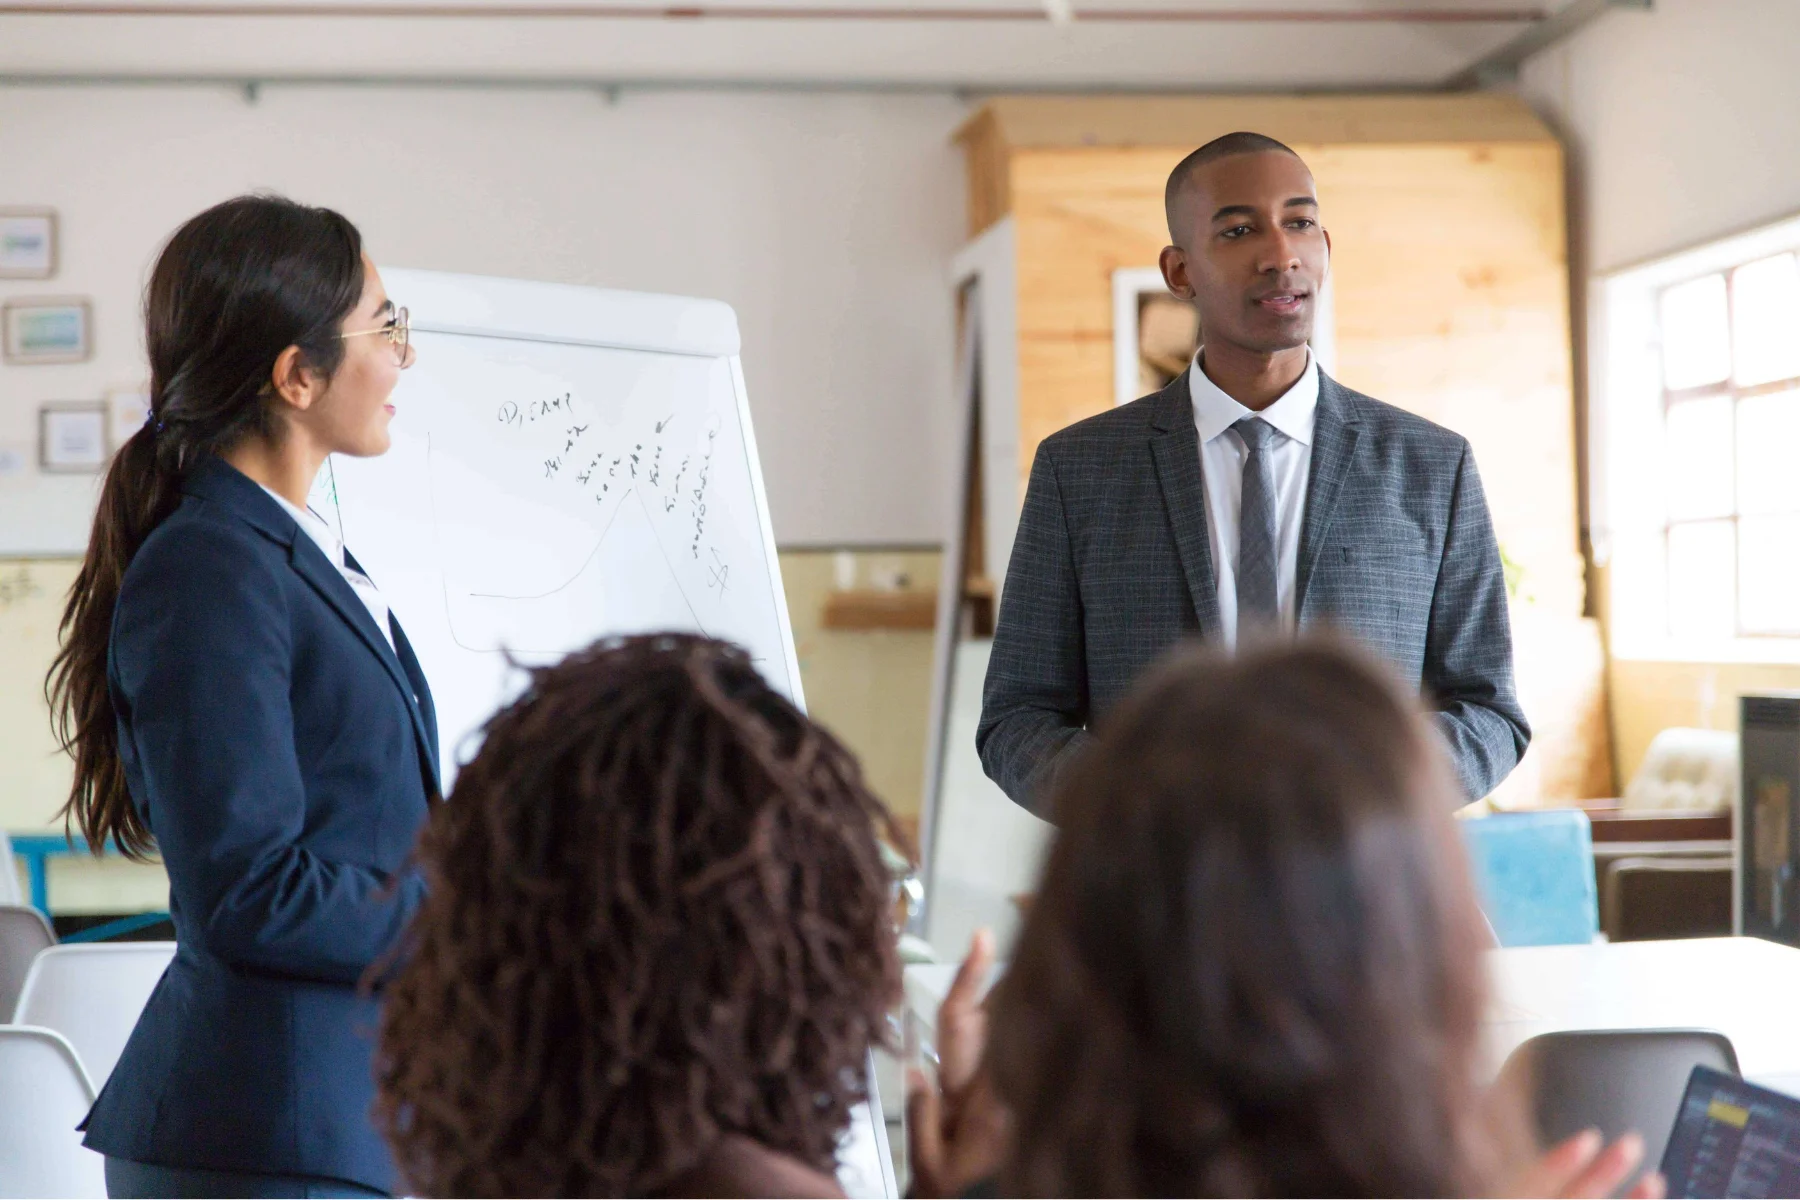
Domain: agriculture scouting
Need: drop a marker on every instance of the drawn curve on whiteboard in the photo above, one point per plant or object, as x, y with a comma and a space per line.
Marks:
586, 563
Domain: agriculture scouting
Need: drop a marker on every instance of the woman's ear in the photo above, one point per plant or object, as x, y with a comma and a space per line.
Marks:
294, 381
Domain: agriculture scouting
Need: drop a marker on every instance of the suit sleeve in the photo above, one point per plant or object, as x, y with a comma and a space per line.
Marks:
203, 656
1034, 704
1468, 667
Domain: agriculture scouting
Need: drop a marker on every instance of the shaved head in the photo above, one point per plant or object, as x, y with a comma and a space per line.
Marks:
1220, 147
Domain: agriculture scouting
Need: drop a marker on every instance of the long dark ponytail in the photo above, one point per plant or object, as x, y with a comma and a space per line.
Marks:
234, 288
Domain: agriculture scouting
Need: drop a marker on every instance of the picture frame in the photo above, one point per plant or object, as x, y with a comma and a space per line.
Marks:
47, 330
127, 410
28, 243
72, 438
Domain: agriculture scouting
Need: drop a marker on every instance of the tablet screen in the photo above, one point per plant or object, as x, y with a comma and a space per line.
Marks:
1732, 1138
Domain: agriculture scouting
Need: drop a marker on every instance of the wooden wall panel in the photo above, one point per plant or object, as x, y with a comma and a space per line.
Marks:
1452, 301
984, 146
1039, 122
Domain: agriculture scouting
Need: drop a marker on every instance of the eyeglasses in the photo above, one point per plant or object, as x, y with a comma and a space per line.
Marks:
398, 332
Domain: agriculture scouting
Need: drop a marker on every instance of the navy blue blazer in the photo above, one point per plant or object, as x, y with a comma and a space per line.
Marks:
285, 757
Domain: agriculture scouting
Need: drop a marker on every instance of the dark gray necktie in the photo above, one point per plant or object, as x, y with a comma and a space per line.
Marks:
1257, 604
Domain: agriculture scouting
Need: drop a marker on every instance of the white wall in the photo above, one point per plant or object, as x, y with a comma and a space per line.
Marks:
1683, 123
826, 219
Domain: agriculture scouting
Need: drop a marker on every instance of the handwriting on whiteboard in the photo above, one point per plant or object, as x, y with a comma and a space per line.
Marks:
607, 465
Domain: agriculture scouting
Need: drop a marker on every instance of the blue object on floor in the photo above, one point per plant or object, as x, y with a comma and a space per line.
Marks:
36, 849
1535, 875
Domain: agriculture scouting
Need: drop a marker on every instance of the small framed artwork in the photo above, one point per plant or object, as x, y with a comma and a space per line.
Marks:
72, 437
128, 409
27, 243
47, 330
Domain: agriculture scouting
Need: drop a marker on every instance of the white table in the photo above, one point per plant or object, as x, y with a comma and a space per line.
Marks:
1746, 988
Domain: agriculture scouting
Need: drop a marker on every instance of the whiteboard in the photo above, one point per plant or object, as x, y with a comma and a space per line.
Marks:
567, 463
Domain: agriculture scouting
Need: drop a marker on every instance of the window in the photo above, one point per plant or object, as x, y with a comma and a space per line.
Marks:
1730, 358
1694, 436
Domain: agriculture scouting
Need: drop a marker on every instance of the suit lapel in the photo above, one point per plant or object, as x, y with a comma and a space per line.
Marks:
1335, 432
1175, 444
427, 709
310, 563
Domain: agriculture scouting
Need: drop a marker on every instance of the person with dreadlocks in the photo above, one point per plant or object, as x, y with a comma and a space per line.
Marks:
656, 947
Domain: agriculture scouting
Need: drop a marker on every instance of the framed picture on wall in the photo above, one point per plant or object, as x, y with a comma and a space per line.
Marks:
73, 437
1155, 335
47, 330
27, 243
127, 410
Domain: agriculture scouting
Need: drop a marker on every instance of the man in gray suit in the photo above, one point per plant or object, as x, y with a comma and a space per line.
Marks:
1252, 495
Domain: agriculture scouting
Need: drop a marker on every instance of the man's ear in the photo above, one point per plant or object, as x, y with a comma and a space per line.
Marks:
1174, 264
1327, 234
296, 383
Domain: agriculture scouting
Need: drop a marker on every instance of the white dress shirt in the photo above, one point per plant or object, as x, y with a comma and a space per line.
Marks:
315, 527
1222, 456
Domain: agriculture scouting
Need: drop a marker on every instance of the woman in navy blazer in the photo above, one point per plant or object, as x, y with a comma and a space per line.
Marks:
237, 697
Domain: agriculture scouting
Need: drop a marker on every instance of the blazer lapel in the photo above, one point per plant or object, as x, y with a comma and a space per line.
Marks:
1175, 444
427, 709
1335, 431
310, 563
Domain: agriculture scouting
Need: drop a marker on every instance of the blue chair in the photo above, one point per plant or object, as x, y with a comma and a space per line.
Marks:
1535, 875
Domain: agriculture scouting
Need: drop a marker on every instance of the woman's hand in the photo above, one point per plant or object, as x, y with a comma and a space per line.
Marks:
956, 1130
1585, 1166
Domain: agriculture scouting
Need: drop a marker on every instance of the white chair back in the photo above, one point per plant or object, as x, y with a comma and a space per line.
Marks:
92, 995
1687, 769
44, 1094
10, 892
24, 934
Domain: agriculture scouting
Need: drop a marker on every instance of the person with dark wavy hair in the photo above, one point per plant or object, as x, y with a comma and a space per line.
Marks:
658, 942
1252, 967
238, 698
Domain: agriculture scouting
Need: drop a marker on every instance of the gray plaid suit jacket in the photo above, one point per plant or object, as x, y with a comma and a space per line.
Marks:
1112, 565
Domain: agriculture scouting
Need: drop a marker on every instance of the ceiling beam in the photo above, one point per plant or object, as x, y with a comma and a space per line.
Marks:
1048, 10
1501, 65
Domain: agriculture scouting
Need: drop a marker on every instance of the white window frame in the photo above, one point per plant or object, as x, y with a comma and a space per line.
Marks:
1625, 450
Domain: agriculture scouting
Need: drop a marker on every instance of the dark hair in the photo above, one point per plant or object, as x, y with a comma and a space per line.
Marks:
656, 914
1220, 147
1252, 967
234, 288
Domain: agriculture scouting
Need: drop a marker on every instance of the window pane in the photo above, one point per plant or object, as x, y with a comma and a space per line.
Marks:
1702, 575
1768, 437
1696, 342
1698, 460
1769, 574
1765, 320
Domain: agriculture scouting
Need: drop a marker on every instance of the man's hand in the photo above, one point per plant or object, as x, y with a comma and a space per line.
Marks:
956, 1130
1584, 1166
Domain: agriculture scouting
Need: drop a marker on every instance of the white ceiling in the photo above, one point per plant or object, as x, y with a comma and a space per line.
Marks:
1209, 45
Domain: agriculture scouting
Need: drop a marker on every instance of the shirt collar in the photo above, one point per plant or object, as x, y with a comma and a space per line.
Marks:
313, 524
1292, 413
